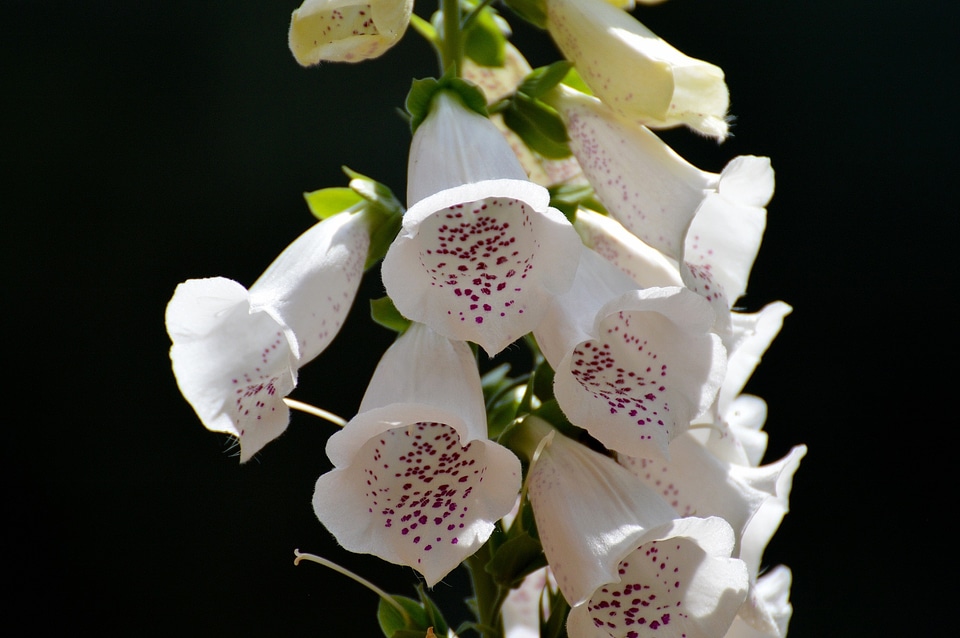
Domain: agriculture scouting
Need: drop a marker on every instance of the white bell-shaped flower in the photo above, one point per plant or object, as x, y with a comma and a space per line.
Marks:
416, 481
621, 557
696, 483
655, 193
633, 367
346, 30
236, 352
636, 73
480, 251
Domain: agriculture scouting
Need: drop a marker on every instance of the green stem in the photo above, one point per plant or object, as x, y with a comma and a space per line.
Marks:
487, 594
452, 42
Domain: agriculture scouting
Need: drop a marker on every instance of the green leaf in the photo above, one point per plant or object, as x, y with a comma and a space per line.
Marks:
538, 125
533, 11
392, 621
555, 626
327, 202
386, 314
374, 192
485, 42
515, 559
544, 78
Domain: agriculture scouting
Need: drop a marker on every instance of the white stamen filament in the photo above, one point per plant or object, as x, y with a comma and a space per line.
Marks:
315, 411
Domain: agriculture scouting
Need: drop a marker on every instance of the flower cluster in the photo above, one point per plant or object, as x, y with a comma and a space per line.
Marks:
617, 487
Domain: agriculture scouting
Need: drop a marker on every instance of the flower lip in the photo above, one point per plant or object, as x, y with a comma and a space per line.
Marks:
477, 262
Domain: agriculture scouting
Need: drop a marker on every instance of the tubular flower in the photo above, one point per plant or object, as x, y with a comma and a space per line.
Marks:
346, 30
696, 483
635, 370
236, 353
416, 481
636, 73
620, 556
480, 251
646, 185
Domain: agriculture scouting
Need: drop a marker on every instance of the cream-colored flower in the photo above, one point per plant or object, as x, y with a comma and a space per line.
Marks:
346, 30
636, 73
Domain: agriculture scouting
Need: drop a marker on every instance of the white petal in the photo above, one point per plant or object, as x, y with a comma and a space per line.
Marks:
650, 367
766, 612
590, 513
725, 234
419, 495
310, 287
767, 520
478, 262
571, 316
680, 581
234, 366
644, 264
754, 334
524, 604
641, 181
455, 145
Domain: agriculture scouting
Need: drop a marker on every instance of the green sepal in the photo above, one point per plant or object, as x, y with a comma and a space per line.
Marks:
383, 312
328, 202
533, 11
434, 615
567, 198
374, 192
544, 78
485, 42
392, 621
422, 92
543, 381
515, 559
383, 213
575, 81
538, 125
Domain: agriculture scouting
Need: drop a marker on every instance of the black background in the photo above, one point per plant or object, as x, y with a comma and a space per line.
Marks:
144, 143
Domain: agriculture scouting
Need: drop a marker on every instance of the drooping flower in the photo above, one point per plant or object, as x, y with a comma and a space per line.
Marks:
527, 604
621, 557
346, 30
236, 352
635, 367
480, 250
648, 187
416, 481
696, 483
725, 234
770, 596
636, 73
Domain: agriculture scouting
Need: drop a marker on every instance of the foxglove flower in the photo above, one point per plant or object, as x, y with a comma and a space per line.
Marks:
647, 186
236, 352
696, 483
770, 595
416, 481
633, 368
636, 73
346, 30
480, 251
527, 604
724, 236
621, 557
